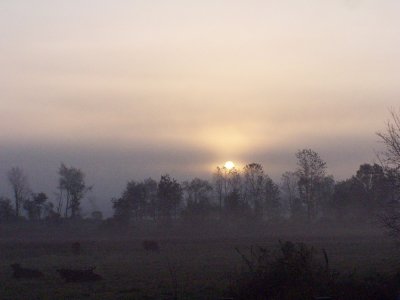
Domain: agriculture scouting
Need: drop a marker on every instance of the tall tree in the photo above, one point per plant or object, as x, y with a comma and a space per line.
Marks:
72, 188
254, 187
391, 140
169, 194
150, 186
219, 183
135, 194
390, 158
197, 195
311, 170
7, 212
38, 207
226, 181
20, 187
272, 196
290, 191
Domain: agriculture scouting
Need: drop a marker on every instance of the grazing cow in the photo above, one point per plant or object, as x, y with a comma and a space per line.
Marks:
76, 248
79, 275
20, 272
150, 246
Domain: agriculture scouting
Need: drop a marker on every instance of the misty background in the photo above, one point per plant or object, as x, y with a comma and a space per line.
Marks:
136, 89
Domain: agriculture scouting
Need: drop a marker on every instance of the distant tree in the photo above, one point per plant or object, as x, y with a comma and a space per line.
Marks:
390, 159
135, 194
122, 210
38, 207
197, 195
169, 194
374, 188
311, 171
20, 187
272, 196
7, 212
234, 206
364, 195
139, 199
72, 188
150, 186
391, 140
234, 182
290, 192
219, 184
254, 187
325, 191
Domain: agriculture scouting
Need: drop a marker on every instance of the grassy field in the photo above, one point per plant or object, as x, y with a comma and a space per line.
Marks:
190, 267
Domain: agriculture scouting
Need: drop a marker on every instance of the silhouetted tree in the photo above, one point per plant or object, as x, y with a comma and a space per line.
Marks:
122, 210
365, 194
20, 187
197, 195
311, 170
234, 182
169, 194
374, 187
38, 207
135, 194
219, 184
234, 206
290, 191
150, 186
272, 205
343, 199
254, 186
7, 212
390, 159
391, 140
325, 191
72, 188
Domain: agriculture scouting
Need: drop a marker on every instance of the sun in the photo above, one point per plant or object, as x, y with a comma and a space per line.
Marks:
229, 165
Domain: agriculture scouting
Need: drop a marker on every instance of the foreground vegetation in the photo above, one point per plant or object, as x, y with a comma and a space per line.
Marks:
193, 264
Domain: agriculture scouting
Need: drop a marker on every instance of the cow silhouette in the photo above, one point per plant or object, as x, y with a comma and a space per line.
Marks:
20, 272
79, 275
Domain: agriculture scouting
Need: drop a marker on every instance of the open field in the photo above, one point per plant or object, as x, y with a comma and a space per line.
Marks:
191, 268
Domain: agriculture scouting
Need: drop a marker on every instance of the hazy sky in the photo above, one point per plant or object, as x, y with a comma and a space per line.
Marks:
129, 89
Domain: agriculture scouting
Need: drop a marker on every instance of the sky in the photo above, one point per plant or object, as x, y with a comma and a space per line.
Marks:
130, 89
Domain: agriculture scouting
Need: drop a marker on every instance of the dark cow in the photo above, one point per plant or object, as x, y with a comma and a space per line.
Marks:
79, 275
20, 272
150, 246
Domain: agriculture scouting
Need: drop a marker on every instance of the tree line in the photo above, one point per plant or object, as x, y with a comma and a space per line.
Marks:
37, 206
304, 194
307, 193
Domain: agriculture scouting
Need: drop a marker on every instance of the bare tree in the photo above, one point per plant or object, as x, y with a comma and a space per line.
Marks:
391, 140
390, 159
311, 171
254, 187
72, 188
20, 187
289, 186
219, 183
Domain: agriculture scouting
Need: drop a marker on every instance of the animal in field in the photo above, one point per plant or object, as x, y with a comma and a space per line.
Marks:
149, 245
76, 248
79, 275
20, 272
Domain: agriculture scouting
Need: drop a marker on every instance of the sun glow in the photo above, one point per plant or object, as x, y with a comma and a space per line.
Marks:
229, 165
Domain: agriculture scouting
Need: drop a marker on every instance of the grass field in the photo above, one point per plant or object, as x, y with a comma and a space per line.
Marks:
189, 268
